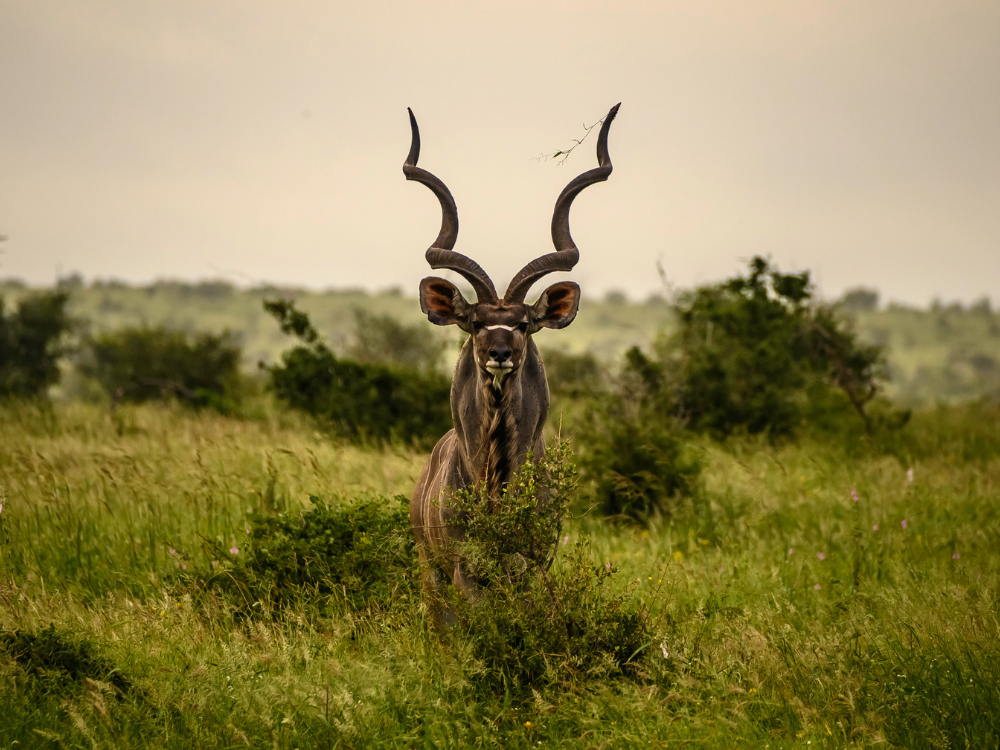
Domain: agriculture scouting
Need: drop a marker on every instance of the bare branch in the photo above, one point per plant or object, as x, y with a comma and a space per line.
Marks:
563, 154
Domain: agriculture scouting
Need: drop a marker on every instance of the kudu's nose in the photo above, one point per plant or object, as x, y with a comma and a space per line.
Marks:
500, 354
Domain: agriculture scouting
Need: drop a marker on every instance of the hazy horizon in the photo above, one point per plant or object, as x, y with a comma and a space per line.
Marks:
263, 144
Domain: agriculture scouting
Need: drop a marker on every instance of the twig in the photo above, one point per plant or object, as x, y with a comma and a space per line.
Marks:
563, 154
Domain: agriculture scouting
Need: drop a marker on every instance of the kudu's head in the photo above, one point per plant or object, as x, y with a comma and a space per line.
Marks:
500, 326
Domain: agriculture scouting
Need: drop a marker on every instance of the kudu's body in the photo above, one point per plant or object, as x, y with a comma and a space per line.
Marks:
499, 395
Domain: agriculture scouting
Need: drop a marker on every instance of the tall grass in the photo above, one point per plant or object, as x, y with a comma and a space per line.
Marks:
788, 619
93, 511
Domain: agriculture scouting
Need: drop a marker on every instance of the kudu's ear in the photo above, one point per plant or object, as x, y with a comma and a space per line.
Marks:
443, 304
557, 306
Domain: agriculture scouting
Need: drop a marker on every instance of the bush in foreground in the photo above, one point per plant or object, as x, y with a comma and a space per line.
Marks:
360, 552
541, 622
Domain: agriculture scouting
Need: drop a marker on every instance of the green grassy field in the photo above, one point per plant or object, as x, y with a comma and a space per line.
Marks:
790, 615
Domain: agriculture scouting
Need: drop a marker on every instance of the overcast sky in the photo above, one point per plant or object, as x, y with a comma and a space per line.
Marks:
262, 141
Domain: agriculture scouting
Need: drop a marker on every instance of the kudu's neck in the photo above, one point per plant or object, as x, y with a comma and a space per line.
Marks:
497, 427
499, 434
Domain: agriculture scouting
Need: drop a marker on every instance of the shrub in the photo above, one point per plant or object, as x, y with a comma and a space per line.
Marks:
30, 340
633, 450
141, 364
58, 660
751, 351
540, 621
360, 553
640, 466
357, 401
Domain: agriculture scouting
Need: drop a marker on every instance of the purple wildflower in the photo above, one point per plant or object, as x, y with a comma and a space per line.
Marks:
816, 587
903, 524
791, 550
820, 555
854, 494
607, 565
875, 527
234, 551
955, 556
172, 551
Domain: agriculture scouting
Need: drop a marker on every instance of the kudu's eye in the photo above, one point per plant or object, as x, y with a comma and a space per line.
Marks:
477, 326
522, 327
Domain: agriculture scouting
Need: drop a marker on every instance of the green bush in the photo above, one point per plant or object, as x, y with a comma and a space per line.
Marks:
634, 454
361, 553
750, 353
142, 364
52, 659
357, 401
30, 340
641, 467
541, 622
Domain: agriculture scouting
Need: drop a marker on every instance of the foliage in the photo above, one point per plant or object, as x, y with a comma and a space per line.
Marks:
634, 454
52, 655
639, 467
360, 402
360, 552
139, 364
537, 625
750, 351
30, 339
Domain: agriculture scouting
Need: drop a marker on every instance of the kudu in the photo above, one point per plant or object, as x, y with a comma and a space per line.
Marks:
499, 394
